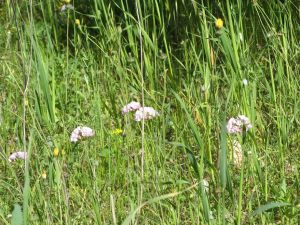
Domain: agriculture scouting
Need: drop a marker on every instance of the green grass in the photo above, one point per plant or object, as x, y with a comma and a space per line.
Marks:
57, 75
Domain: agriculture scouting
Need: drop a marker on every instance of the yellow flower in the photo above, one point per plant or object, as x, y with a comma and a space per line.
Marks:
55, 152
219, 23
117, 131
44, 175
67, 1
77, 22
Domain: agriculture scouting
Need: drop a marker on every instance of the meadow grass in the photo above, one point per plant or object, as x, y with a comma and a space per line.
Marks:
58, 73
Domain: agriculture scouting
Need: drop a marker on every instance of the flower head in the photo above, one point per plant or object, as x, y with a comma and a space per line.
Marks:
236, 125
17, 155
56, 152
65, 7
77, 22
145, 113
132, 106
44, 175
117, 131
219, 23
81, 132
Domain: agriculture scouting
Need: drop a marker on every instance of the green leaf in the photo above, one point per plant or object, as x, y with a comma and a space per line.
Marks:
268, 206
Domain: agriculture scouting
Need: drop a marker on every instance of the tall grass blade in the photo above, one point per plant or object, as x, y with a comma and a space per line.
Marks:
43, 90
129, 218
192, 124
223, 156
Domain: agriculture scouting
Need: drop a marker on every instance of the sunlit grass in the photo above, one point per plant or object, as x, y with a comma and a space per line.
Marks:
197, 73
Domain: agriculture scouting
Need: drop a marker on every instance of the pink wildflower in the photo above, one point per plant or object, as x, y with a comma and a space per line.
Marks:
81, 132
17, 155
145, 113
65, 7
132, 106
235, 125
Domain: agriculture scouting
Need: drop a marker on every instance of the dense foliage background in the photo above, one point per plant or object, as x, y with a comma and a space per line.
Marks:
77, 63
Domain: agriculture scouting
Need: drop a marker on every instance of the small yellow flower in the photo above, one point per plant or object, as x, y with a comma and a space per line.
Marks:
77, 22
55, 152
67, 1
44, 175
219, 23
117, 131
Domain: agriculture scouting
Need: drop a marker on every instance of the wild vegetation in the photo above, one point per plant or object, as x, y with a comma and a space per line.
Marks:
220, 144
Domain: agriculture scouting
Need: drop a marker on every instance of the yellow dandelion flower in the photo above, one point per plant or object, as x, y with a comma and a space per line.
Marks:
77, 22
55, 152
44, 175
117, 131
219, 23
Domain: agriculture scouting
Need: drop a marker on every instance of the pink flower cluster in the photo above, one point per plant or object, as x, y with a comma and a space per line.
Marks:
141, 113
145, 113
81, 132
132, 106
236, 125
17, 155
